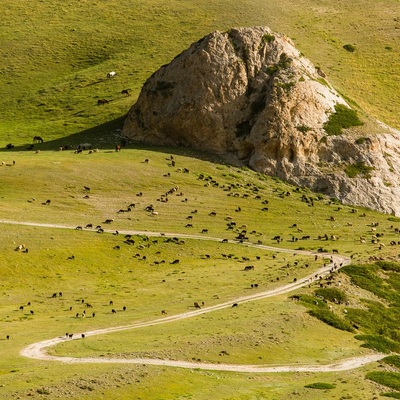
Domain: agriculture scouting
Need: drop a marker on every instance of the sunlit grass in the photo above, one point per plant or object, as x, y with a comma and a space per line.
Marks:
54, 72
89, 267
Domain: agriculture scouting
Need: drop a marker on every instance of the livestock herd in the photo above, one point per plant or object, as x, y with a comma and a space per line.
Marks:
241, 232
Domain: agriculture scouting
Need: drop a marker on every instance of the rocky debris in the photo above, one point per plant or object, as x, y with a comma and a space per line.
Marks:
250, 95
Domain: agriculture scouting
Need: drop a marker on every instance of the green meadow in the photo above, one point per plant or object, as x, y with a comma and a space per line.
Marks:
92, 269
56, 55
60, 275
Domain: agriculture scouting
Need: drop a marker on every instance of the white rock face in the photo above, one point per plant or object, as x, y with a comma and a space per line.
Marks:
249, 93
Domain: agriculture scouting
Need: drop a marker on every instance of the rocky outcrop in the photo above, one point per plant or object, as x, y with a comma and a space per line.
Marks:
251, 94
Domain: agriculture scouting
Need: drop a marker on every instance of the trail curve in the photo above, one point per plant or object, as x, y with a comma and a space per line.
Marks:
39, 350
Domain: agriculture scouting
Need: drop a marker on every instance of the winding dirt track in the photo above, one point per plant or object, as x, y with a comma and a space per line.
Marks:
38, 350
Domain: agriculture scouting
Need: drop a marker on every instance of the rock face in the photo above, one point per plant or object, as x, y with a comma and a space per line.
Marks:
249, 93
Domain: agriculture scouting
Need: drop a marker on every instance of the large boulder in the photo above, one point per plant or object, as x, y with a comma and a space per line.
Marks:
250, 93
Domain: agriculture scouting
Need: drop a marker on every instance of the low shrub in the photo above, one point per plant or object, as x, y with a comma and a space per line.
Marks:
358, 168
392, 360
389, 379
324, 315
268, 38
378, 343
320, 385
303, 128
362, 140
343, 117
393, 395
350, 48
388, 266
271, 69
331, 294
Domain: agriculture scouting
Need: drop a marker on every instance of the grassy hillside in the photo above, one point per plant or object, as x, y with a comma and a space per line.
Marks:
89, 267
55, 55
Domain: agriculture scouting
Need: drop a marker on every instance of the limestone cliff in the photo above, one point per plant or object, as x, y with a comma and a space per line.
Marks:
250, 93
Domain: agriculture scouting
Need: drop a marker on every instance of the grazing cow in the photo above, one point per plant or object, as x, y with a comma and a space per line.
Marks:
249, 268
82, 335
84, 146
37, 139
175, 262
111, 74
234, 305
204, 231
108, 221
224, 241
113, 311
125, 92
163, 312
101, 102
196, 305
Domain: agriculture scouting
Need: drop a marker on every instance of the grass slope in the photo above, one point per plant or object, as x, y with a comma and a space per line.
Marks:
105, 268
56, 55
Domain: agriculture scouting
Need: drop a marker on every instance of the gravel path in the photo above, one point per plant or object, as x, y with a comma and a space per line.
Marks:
39, 350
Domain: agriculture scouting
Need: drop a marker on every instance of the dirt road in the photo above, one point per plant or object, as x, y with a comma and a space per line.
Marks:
39, 350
